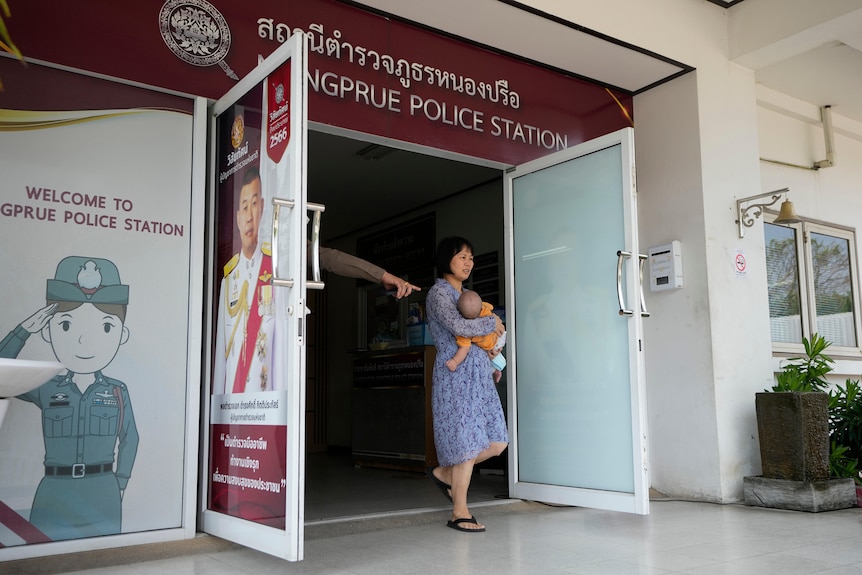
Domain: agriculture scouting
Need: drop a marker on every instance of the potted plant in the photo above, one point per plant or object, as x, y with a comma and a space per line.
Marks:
845, 432
795, 450
793, 419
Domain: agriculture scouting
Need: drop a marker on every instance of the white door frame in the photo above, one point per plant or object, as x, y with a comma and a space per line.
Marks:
631, 297
289, 285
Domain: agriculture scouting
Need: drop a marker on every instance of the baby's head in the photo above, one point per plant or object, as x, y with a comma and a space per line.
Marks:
470, 304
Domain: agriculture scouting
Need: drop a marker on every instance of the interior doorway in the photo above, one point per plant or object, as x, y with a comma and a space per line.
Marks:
365, 186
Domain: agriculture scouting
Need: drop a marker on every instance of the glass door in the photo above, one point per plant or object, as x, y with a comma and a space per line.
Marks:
576, 382
253, 482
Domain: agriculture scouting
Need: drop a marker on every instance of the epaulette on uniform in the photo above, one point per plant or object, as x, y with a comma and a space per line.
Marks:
228, 267
115, 383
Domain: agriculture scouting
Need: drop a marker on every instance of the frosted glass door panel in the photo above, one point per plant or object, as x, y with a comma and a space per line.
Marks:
574, 403
575, 309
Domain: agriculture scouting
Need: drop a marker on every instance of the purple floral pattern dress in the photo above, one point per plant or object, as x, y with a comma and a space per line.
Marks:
466, 407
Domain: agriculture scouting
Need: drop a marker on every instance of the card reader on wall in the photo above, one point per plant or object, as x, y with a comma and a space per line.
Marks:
665, 267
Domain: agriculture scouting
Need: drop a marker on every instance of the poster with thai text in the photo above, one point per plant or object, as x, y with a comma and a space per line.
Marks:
248, 410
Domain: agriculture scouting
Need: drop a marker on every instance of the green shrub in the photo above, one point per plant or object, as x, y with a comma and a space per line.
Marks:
806, 373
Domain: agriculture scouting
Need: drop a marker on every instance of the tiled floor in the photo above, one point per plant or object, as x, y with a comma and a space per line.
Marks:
522, 537
336, 488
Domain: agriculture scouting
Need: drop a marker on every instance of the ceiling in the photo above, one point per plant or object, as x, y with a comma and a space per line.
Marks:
812, 55
809, 50
361, 192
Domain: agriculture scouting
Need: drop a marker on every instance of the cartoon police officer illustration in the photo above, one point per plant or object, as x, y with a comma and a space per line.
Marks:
87, 418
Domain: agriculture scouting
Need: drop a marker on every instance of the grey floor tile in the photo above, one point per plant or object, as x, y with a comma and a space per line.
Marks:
844, 570
377, 522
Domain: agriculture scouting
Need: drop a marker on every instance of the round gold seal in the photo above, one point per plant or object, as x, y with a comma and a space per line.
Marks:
237, 132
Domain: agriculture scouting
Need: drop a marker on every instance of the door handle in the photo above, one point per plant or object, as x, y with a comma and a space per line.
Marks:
314, 282
642, 258
278, 203
318, 209
620, 256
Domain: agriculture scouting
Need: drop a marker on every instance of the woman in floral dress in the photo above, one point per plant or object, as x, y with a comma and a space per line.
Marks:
469, 425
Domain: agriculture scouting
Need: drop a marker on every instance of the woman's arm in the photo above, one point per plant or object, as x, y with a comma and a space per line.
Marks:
440, 306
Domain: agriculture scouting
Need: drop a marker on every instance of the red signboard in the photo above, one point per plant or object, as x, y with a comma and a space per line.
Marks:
247, 472
278, 113
367, 73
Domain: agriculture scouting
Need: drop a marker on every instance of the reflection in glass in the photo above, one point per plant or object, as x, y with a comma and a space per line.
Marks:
833, 296
782, 275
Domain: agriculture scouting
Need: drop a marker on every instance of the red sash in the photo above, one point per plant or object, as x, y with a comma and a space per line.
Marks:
252, 327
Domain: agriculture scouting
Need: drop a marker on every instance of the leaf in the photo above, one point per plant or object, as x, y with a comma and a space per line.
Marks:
841, 464
807, 373
6, 42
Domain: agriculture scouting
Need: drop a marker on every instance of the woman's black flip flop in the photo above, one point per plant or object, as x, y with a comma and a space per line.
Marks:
456, 525
443, 487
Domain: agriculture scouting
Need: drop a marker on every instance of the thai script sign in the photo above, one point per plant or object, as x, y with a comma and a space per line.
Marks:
367, 73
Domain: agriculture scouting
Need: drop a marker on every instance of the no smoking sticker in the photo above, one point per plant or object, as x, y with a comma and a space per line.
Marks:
740, 264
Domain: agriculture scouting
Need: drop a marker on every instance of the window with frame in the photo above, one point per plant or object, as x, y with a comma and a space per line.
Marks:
811, 274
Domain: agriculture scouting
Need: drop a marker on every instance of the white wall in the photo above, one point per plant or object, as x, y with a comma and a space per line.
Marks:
738, 301
736, 125
683, 454
697, 151
792, 140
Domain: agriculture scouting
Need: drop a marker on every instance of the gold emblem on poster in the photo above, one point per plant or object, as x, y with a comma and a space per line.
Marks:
237, 132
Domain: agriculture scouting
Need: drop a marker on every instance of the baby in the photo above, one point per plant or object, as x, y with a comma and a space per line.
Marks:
471, 306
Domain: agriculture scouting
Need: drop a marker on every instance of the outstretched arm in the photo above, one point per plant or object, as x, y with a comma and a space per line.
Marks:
402, 288
350, 266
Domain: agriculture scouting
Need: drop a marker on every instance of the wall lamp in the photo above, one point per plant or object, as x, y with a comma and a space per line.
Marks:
748, 211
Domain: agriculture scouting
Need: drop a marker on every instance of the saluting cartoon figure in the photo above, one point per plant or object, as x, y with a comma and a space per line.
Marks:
87, 418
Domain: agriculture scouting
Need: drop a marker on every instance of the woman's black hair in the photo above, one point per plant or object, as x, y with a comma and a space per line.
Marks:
446, 250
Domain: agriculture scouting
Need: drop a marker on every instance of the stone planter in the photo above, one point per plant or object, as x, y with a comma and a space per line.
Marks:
828, 495
794, 435
794, 455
